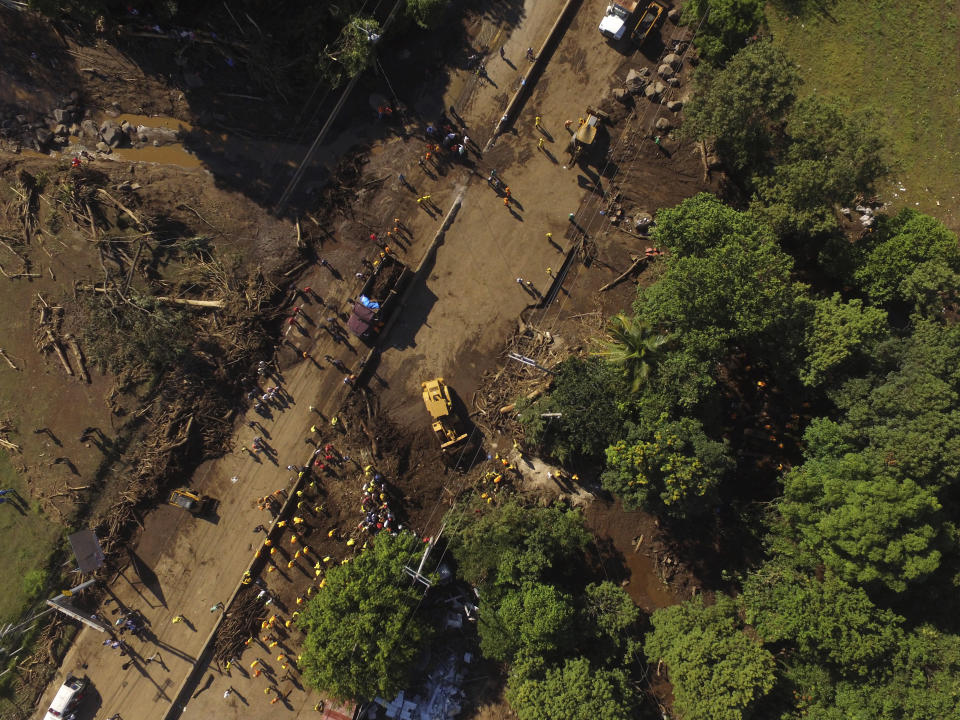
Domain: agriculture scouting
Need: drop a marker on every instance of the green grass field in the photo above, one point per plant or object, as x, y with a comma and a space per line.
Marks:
29, 538
899, 62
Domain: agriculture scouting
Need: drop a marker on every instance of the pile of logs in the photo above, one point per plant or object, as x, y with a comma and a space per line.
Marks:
48, 339
241, 623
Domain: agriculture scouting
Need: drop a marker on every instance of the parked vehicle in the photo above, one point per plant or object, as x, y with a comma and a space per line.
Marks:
648, 21
617, 18
377, 297
67, 699
446, 425
191, 501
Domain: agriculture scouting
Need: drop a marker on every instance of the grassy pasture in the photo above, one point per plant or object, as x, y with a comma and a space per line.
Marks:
898, 61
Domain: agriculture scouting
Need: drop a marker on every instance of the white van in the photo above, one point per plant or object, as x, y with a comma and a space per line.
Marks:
66, 700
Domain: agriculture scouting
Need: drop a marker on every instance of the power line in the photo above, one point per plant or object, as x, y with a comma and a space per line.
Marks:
298, 174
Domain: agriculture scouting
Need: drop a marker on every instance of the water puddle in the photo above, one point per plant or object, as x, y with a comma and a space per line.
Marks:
168, 154
163, 155
167, 123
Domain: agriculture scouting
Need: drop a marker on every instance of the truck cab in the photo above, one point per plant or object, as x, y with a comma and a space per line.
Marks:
617, 18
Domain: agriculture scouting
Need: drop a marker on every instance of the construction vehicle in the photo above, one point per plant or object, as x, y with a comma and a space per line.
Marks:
647, 22
617, 18
585, 135
191, 501
446, 425
378, 297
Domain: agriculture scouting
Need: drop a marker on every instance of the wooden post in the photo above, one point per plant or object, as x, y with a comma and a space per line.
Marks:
59, 351
3, 354
78, 356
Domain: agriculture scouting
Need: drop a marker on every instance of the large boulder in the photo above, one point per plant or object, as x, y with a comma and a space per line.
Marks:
88, 129
156, 135
111, 134
674, 15
673, 60
663, 124
636, 80
43, 136
673, 81
675, 106
665, 71
650, 91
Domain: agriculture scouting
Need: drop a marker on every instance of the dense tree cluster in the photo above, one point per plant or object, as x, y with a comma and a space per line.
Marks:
570, 649
799, 160
363, 632
848, 382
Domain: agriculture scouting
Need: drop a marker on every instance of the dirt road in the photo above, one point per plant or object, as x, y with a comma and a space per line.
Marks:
453, 324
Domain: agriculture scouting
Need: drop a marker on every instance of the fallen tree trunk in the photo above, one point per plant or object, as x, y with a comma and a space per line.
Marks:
529, 396
123, 207
191, 303
78, 356
3, 354
169, 300
59, 351
624, 274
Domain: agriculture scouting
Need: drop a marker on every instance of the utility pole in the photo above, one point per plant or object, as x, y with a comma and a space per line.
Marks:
417, 575
298, 175
57, 603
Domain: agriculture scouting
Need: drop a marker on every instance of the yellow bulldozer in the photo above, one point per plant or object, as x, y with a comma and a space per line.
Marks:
586, 132
446, 425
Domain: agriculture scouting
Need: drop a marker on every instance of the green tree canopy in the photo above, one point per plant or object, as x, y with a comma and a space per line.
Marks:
716, 670
609, 624
827, 621
840, 334
736, 291
741, 106
426, 13
363, 633
825, 160
585, 393
907, 413
703, 223
672, 466
921, 680
911, 258
534, 622
722, 26
862, 524
353, 52
633, 346
510, 545
573, 691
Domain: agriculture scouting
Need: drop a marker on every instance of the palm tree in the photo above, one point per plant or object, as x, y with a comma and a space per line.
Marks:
634, 345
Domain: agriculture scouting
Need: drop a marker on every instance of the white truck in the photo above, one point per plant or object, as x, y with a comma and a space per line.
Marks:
616, 20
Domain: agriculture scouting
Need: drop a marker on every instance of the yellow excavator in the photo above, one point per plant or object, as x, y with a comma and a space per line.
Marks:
436, 396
